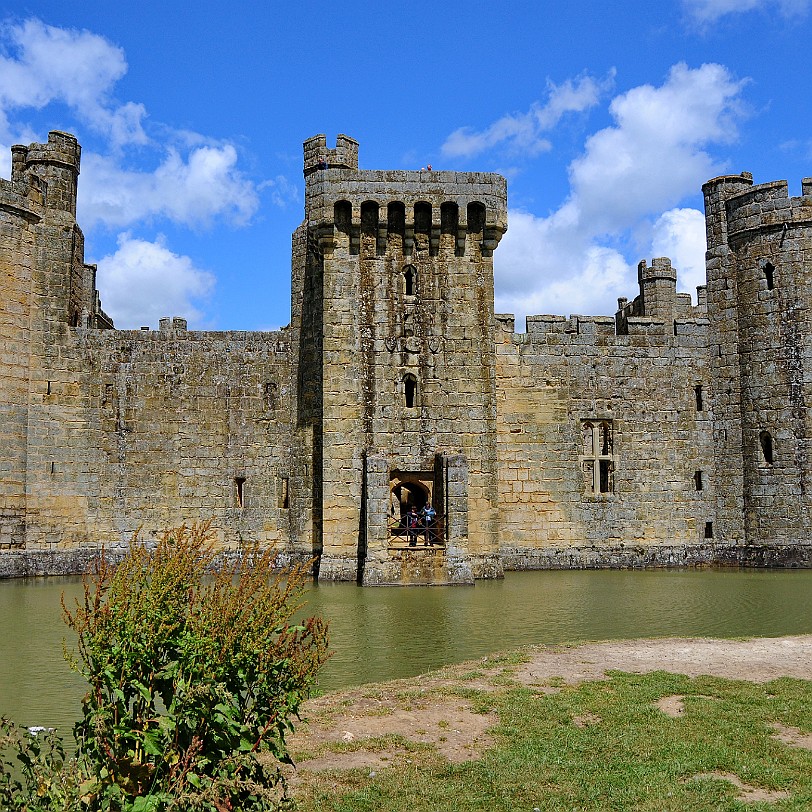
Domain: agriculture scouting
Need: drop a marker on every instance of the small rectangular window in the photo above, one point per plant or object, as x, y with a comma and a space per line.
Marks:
239, 491
698, 394
698, 484
708, 530
284, 499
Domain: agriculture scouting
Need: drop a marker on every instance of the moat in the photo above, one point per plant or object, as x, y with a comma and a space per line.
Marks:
380, 634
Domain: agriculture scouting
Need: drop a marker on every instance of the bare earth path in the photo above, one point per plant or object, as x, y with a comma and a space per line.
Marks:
341, 728
757, 660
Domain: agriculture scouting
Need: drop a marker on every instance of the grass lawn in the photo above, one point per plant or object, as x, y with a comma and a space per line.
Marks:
601, 745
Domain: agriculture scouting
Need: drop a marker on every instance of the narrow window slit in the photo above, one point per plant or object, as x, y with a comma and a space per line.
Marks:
766, 441
410, 390
769, 271
239, 486
408, 281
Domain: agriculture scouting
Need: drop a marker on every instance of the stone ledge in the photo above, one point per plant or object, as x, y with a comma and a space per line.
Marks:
639, 556
38, 563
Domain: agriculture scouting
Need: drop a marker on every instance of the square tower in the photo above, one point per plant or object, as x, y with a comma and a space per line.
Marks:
393, 314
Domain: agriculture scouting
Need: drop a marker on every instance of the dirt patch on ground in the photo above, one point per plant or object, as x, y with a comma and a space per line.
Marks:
585, 720
793, 736
373, 727
757, 660
746, 792
673, 706
394, 710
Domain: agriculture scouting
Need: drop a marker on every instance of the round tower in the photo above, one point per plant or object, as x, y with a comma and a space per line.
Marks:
759, 292
57, 164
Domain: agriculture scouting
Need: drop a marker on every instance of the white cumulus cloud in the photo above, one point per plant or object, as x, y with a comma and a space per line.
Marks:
183, 177
42, 64
144, 281
655, 154
190, 190
543, 265
523, 132
680, 235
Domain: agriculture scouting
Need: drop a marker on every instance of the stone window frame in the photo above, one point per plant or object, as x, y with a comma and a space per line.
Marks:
601, 460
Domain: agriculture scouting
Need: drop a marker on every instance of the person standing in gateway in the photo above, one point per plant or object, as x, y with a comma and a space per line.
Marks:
429, 517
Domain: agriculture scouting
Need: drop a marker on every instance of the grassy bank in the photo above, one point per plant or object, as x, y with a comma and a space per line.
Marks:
657, 741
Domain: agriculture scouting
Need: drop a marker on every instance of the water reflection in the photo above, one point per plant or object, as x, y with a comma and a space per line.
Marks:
383, 633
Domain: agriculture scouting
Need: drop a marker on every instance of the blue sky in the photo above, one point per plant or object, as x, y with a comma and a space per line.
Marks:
605, 117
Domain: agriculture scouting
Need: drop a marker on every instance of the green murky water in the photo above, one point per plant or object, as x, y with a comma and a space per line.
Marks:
384, 633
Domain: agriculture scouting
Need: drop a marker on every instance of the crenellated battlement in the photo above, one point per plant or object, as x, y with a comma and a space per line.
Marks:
50, 171
660, 269
583, 331
341, 198
768, 206
658, 313
317, 156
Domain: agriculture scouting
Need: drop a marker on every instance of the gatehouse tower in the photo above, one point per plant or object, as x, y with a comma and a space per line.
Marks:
393, 315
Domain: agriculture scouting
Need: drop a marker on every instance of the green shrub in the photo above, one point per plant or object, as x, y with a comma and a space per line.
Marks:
195, 676
35, 775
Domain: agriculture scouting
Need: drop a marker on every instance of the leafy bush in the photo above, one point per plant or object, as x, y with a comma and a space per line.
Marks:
35, 776
195, 676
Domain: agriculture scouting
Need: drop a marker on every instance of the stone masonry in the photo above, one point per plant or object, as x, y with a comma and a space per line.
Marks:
669, 434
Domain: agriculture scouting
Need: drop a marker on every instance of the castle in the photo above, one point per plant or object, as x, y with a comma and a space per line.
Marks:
669, 434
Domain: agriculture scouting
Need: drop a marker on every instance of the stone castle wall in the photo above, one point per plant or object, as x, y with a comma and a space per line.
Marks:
149, 428
560, 382
671, 433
